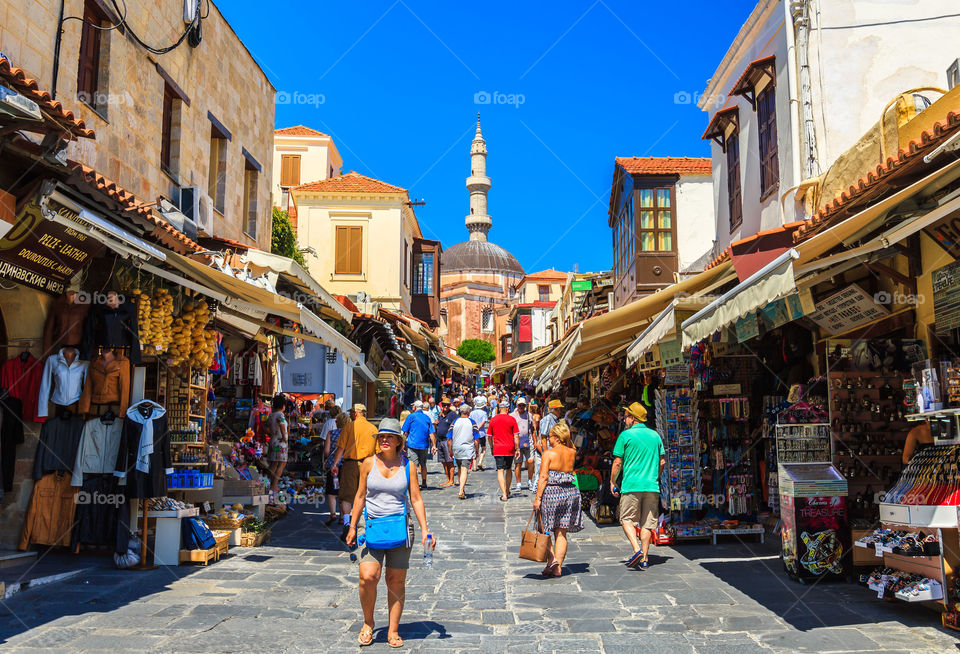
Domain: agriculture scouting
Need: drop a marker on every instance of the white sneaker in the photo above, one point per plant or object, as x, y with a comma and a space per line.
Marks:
530, 486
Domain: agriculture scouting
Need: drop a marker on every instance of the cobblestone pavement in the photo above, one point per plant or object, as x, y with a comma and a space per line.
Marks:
299, 595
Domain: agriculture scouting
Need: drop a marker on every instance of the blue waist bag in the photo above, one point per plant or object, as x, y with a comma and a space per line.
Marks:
388, 531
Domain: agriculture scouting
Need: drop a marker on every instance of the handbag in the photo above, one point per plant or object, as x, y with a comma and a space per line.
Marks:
389, 531
533, 544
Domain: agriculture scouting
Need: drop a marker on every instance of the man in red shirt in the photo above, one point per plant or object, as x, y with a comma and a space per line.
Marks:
504, 432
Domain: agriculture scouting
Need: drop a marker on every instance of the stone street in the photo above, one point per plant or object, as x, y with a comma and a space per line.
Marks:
299, 595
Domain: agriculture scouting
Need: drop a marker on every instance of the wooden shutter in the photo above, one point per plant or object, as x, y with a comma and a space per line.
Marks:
88, 70
290, 170
735, 202
349, 251
767, 119
166, 133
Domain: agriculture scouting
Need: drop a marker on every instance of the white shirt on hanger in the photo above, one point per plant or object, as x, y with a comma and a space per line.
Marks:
61, 383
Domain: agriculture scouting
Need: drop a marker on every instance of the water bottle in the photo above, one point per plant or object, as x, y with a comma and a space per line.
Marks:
428, 552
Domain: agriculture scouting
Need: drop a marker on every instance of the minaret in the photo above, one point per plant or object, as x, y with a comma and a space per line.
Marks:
478, 222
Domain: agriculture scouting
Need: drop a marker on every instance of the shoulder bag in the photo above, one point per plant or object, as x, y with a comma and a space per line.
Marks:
389, 531
533, 544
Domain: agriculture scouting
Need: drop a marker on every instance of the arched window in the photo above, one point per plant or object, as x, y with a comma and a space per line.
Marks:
486, 320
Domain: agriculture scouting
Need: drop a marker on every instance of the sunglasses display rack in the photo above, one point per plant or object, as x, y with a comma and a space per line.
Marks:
804, 443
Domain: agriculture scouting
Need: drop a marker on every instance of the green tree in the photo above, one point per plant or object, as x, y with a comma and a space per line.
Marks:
284, 240
476, 350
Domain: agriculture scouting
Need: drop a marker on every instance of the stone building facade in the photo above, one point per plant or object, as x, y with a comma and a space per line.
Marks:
477, 277
215, 101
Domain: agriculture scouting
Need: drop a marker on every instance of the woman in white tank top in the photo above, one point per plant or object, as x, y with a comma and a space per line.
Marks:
383, 487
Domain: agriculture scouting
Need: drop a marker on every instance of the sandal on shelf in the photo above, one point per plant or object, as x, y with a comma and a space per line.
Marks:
365, 637
550, 566
395, 641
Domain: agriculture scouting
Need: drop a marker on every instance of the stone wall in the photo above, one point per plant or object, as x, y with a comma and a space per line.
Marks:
219, 76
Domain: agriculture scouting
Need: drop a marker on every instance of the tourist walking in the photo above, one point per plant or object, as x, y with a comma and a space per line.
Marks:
279, 441
558, 499
357, 442
418, 432
387, 479
443, 447
480, 417
504, 441
552, 417
462, 444
331, 435
639, 453
524, 458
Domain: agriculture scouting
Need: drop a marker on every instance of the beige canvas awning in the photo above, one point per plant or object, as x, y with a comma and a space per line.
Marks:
664, 327
294, 273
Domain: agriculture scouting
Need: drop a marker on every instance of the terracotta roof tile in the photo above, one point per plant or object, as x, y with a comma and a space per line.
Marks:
345, 301
549, 273
298, 130
17, 79
352, 182
860, 193
666, 165
163, 231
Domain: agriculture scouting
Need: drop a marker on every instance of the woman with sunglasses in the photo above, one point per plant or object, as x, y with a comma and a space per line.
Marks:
386, 479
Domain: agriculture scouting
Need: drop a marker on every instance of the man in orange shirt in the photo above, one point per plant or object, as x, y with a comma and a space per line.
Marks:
358, 440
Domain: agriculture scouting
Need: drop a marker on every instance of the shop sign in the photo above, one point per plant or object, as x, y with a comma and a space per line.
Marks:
747, 327
44, 254
780, 312
946, 233
671, 353
582, 285
677, 375
946, 297
375, 356
726, 389
650, 360
846, 310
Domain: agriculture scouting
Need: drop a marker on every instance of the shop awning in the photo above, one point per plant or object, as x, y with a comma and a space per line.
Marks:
773, 281
664, 326
600, 337
363, 369
468, 366
294, 273
329, 336
239, 295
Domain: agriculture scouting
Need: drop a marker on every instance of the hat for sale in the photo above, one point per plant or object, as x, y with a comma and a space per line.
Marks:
390, 426
555, 404
638, 411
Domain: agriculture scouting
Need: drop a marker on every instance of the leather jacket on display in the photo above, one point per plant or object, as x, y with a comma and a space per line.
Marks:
108, 382
106, 327
61, 383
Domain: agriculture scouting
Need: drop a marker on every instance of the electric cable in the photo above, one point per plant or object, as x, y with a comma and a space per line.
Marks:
169, 48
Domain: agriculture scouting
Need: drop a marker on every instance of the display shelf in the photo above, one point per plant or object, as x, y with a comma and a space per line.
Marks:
177, 490
940, 413
188, 443
739, 531
180, 464
181, 513
918, 515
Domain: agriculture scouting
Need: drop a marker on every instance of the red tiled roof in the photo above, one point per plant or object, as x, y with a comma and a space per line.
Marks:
550, 273
345, 301
352, 182
752, 74
870, 187
718, 124
666, 165
725, 255
163, 231
298, 130
17, 79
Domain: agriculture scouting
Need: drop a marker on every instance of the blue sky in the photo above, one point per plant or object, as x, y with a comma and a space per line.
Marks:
395, 83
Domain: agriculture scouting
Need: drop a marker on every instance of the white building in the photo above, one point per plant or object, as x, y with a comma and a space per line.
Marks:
301, 154
800, 84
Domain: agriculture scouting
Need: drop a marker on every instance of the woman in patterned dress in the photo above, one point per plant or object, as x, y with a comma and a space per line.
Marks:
558, 500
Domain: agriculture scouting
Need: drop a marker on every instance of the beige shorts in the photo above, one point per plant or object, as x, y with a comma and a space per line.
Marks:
397, 558
640, 509
349, 480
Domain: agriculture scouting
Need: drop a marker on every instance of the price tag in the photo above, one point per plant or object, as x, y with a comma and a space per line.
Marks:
878, 549
883, 585
206, 507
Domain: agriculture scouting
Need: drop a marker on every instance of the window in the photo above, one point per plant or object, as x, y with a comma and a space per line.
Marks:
656, 219
170, 131
423, 273
289, 170
734, 202
349, 251
767, 119
251, 179
88, 68
405, 249
544, 291
217, 176
486, 320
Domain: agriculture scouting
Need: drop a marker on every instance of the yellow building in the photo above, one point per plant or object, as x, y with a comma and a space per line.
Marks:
301, 154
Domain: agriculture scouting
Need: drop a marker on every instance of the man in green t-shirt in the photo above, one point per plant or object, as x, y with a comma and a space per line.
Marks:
639, 453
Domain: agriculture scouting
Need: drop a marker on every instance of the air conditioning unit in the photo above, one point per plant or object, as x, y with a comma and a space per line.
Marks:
172, 214
190, 208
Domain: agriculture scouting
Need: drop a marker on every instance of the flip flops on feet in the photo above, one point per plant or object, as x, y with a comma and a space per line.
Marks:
365, 637
548, 571
395, 641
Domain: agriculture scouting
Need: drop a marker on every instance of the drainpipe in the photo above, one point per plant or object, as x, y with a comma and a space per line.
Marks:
56, 52
792, 90
800, 11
